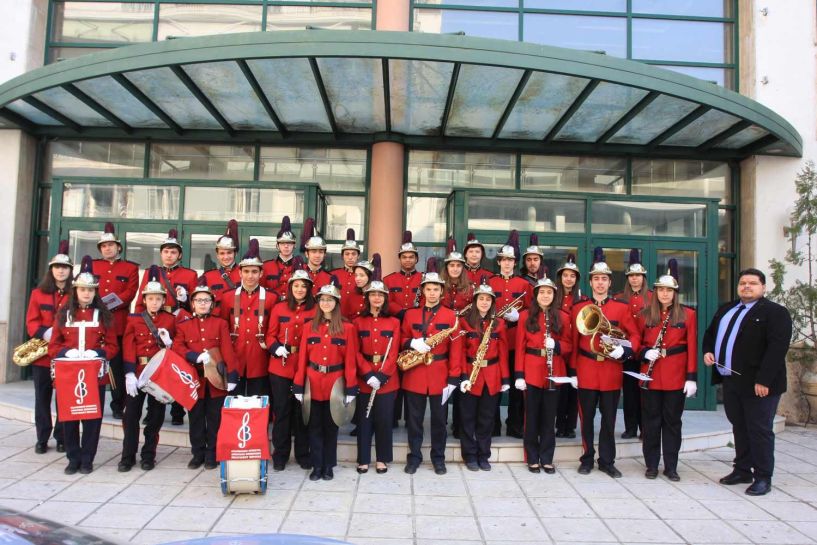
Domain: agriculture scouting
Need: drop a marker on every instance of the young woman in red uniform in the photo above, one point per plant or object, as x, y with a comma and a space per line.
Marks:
379, 341
353, 303
46, 300
328, 352
287, 323
458, 291
480, 397
84, 320
544, 338
670, 356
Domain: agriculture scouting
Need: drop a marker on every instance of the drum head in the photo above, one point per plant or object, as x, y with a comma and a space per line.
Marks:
342, 414
150, 368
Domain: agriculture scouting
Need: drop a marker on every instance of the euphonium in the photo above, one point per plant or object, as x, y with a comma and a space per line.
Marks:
411, 358
592, 321
29, 352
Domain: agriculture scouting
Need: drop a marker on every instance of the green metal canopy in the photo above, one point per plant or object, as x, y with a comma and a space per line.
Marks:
430, 90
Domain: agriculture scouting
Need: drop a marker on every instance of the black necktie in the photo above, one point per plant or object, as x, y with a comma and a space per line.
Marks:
726, 335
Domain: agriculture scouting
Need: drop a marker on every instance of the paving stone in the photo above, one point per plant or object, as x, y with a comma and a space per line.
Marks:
117, 515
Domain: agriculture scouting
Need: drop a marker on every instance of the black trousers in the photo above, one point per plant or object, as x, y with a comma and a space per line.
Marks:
43, 393
400, 405
323, 436
567, 412
540, 417
516, 403
118, 371
287, 421
631, 393
661, 412
205, 419
378, 424
258, 386
176, 410
130, 423
607, 402
80, 449
415, 414
476, 425
752, 418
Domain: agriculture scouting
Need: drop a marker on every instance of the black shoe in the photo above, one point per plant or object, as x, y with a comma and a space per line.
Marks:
484, 465
124, 466
736, 477
85, 469
514, 433
353, 433
60, 446
278, 466
439, 469
629, 434
411, 469
570, 434
382, 470
472, 466
71, 468
456, 434
550, 470
117, 414
760, 487
316, 475
497, 431
560, 434
177, 421
41, 448
210, 464
362, 470
534, 469
195, 463
305, 465
328, 474
611, 471
651, 473
585, 469
145, 420
672, 475
148, 465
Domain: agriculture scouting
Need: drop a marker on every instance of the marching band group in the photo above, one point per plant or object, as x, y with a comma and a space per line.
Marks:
307, 338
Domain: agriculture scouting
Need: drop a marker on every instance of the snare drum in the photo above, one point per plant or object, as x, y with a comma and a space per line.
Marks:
168, 378
244, 476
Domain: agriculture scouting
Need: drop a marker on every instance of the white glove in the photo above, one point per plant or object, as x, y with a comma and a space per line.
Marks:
574, 381
181, 294
520, 384
652, 354
164, 334
505, 388
348, 400
464, 385
420, 345
47, 334
447, 392
204, 358
617, 352
231, 386
512, 315
130, 384
73, 353
374, 382
281, 351
299, 397
550, 343
90, 354
690, 388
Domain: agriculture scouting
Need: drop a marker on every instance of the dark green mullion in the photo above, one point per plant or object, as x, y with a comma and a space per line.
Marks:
692, 18
720, 137
256, 162
46, 109
386, 93
411, 22
629, 29
455, 7
693, 64
373, 24
49, 29
626, 118
201, 97
97, 107
684, 122
256, 87
588, 89
452, 86
146, 167
18, 120
511, 103
518, 180
736, 48
628, 177
757, 145
264, 6
88, 45
56, 216
521, 23
155, 35
35, 213
147, 102
316, 73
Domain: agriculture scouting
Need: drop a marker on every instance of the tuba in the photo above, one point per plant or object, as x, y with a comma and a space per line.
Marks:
29, 352
592, 321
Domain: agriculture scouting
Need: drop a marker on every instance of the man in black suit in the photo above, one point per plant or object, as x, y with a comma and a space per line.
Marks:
750, 336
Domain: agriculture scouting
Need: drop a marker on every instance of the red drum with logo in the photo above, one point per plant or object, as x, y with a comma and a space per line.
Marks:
168, 377
77, 385
242, 445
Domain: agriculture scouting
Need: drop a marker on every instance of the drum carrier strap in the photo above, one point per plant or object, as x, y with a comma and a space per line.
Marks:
152, 328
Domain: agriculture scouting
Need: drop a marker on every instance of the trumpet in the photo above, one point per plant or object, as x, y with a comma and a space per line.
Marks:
592, 321
517, 304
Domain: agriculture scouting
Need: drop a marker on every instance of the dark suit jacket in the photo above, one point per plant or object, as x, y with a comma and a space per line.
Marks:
759, 353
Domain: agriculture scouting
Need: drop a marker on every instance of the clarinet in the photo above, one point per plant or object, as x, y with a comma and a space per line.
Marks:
549, 352
645, 384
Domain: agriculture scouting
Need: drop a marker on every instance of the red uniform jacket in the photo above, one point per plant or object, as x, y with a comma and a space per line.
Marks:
531, 358
636, 303
353, 304
373, 336
444, 369
319, 278
217, 283
476, 275
506, 290
97, 337
569, 299
681, 344
42, 307
456, 299
246, 333
194, 336
122, 278
402, 291
346, 279
139, 342
336, 355
175, 277
285, 329
496, 373
275, 276
607, 374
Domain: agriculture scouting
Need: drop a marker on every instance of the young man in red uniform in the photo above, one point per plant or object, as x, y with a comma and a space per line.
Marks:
350, 253
600, 376
404, 285
146, 333
508, 287
474, 253
177, 280
276, 272
431, 383
314, 248
227, 275
118, 284
532, 260
567, 295
247, 309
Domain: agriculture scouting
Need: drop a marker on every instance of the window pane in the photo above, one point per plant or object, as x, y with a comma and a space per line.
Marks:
120, 201
102, 22
555, 257
201, 162
584, 5
334, 18
179, 20
688, 267
45, 208
143, 248
585, 174
429, 251
333, 169
440, 171
267, 246
484, 24
77, 158
695, 41
80, 244
41, 258
681, 178
344, 212
648, 218
479, 3
608, 34
64, 53
725, 77
425, 218
701, 8
202, 252
726, 229
243, 204
334, 260
726, 279
540, 216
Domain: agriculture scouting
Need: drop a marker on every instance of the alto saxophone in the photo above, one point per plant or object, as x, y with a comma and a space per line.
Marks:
645, 384
480, 355
30, 351
410, 358
549, 354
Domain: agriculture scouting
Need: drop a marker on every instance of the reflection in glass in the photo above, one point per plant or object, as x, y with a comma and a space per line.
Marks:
539, 216
345, 212
659, 115
72, 107
419, 90
726, 279
680, 178
116, 98
586, 174
41, 257
440, 171
688, 269
480, 3
202, 252
80, 244
542, 103
430, 251
120, 201
702, 129
607, 34
267, 246
691, 41
44, 210
555, 256
102, 22
725, 77
201, 161
425, 218
245, 204
726, 227
698, 8
332, 168
648, 218
480, 99
169, 93
324, 17
605, 105
143, 248
617, 259
355, 91
483, 24
584, 5
81, 158
180, 20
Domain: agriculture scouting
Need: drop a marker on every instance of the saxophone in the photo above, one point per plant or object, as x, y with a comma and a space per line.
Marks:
30, 351
411, 358
645, 384
480, 355
549, 353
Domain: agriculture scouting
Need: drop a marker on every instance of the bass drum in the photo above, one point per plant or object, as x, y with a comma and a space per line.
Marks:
244, 476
